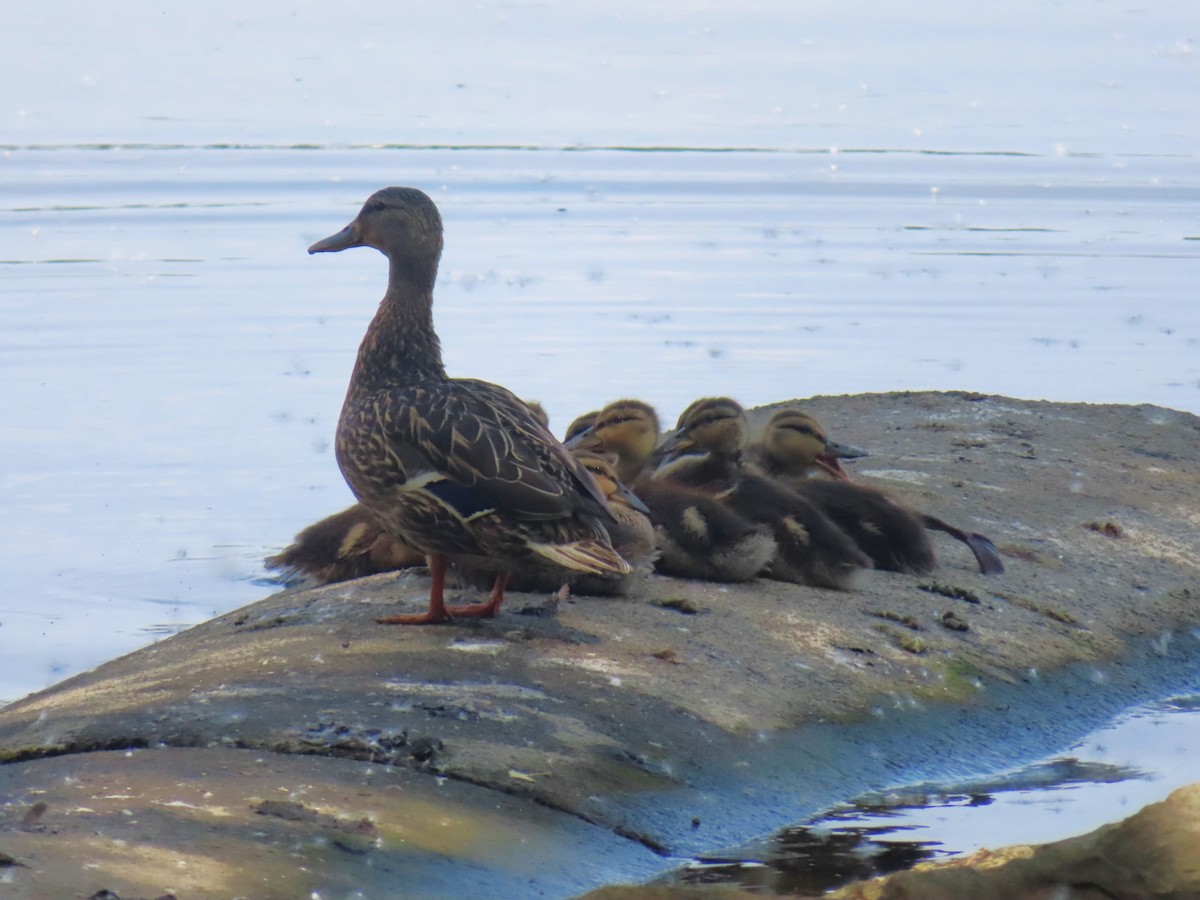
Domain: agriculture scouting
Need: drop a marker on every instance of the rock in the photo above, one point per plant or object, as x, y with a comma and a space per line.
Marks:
1152, 854
561, 752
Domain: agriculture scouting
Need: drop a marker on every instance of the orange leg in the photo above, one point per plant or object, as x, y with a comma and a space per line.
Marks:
439, 611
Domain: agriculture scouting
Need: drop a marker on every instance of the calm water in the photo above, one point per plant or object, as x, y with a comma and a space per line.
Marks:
661, 199
1136, 760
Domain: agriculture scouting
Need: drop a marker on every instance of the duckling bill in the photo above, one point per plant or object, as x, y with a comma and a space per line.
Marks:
457, 468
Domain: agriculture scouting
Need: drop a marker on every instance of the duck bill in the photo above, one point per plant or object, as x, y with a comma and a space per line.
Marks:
584, 440
676, 443
844, 451
630, 499
345, 239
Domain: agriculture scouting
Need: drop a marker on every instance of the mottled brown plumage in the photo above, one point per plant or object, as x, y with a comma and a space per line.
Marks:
795, 446
348, 544
457, 468
697, 536
706, 452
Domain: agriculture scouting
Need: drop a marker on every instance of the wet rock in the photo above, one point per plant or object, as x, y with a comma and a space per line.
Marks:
1152, 854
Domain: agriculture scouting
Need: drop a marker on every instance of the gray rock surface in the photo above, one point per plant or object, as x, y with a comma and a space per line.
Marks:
572, 743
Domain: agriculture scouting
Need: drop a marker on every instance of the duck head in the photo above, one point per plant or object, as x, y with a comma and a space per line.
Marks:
710, 425
603, 469
628, 428
797, 442
400, 222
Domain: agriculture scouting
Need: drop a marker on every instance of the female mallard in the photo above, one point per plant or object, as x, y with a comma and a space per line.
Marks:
350, 544
706, 451
697, 536
456, 468
794, 445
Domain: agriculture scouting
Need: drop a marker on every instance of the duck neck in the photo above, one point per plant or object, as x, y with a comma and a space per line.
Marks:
400, 346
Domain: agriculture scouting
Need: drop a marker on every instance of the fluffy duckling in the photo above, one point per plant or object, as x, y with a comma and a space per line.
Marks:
794, 445
580, 425
348, 544
628, 428
456, 468
697, 537
706, 452
632, 534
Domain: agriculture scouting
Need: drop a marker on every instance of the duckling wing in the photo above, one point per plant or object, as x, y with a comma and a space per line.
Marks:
476, 447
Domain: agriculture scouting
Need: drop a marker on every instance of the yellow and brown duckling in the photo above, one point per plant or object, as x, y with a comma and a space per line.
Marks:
696, 536
456, 468
628, 428
348, 544
580, 425
795, 445
706, 451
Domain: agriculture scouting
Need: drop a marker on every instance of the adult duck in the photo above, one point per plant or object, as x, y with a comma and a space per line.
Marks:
456, 468
350, 544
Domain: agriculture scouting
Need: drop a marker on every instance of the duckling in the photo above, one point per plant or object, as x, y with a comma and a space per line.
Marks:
697, 536
706, 451
580, 425
348, 544
456, 468
794, 444
700, 537
632, 535
629, 428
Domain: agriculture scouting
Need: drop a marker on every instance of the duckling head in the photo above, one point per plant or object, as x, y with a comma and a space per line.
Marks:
580, 425
628, 428
400, 222
710, 425
796, 442
603, 469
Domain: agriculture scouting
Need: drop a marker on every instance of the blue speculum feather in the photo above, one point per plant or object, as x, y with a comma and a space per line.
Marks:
463, 499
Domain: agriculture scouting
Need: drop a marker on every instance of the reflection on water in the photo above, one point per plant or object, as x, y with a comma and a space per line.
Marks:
1108, 776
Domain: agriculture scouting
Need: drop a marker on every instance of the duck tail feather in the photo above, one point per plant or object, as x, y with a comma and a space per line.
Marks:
584, 556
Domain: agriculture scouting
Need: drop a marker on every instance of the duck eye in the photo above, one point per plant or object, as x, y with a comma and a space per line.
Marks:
373, 206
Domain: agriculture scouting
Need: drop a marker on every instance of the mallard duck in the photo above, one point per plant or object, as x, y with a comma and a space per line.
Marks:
795, 445
629, 428
632, 534
456, 468
706, 452
697, 536
348, 544
580, 425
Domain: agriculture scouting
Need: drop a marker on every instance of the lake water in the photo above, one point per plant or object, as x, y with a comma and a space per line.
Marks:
659, 199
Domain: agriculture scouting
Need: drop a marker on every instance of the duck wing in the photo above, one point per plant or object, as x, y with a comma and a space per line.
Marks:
478, 447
